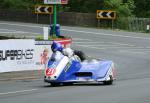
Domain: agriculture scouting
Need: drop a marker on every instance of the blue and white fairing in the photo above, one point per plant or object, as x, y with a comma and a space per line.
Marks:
69, 70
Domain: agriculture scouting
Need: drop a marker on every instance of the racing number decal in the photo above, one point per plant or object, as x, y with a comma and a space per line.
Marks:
50, 72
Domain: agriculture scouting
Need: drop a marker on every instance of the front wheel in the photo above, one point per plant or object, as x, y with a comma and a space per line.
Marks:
109, 82
54, 84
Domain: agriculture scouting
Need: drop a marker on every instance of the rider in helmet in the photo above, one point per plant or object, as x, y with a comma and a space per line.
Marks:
57, 51
56, 47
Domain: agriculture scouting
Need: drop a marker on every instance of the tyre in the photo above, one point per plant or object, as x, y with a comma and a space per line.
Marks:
68, 83
80, 54
54, 84
109, 82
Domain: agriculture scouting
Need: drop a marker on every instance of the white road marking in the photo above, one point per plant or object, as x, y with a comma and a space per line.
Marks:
19, 33
22, 25
82, 42
113, 47
80, 39
87, 46
21, 91
105, 34
10, 30
15, 31
132, 52
104, 43
123, 44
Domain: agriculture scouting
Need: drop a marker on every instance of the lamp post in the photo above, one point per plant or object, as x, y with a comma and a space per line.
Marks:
55, 19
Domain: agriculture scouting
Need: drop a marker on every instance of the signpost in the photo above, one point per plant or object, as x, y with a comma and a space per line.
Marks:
55, 2
106, 14
43, 9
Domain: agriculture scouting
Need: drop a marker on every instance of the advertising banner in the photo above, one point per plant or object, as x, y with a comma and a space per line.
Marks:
43, 51
17, 55
42, 54
26, 54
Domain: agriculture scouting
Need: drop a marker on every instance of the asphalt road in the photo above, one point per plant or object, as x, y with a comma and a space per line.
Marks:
129, 51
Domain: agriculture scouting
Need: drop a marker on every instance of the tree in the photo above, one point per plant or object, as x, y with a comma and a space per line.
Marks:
122, 9
16, 4
142, 8
85, 6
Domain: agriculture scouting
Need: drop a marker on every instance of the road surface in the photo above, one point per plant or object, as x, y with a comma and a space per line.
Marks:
129, 51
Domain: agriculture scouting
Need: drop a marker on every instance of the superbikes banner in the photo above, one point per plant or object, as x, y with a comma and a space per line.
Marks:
17, 55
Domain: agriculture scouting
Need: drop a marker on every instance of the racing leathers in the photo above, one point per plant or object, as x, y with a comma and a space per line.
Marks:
66, 52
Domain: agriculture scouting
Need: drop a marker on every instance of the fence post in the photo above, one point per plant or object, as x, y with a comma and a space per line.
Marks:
148, 26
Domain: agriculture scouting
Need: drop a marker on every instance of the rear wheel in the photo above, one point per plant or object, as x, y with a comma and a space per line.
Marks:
80, 54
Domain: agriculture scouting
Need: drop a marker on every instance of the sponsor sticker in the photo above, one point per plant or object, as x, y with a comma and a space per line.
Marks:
67, 66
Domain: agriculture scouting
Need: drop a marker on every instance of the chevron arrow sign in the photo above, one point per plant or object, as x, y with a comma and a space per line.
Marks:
42, 9
106, 14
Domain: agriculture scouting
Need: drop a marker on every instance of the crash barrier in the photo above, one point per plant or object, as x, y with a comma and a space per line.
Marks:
65, 42
26, 54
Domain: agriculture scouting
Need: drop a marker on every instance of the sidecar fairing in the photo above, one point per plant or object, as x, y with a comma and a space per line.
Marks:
66, 70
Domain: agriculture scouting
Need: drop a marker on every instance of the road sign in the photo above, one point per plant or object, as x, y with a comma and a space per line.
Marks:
106, 14
64, 1
43, 9
55, 1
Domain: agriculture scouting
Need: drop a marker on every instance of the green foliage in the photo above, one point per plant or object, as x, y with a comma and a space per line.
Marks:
85, 6
16, 4
142, 8
122, 9
49, 37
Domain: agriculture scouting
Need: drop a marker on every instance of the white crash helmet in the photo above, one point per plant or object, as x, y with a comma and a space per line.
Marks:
68, 52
